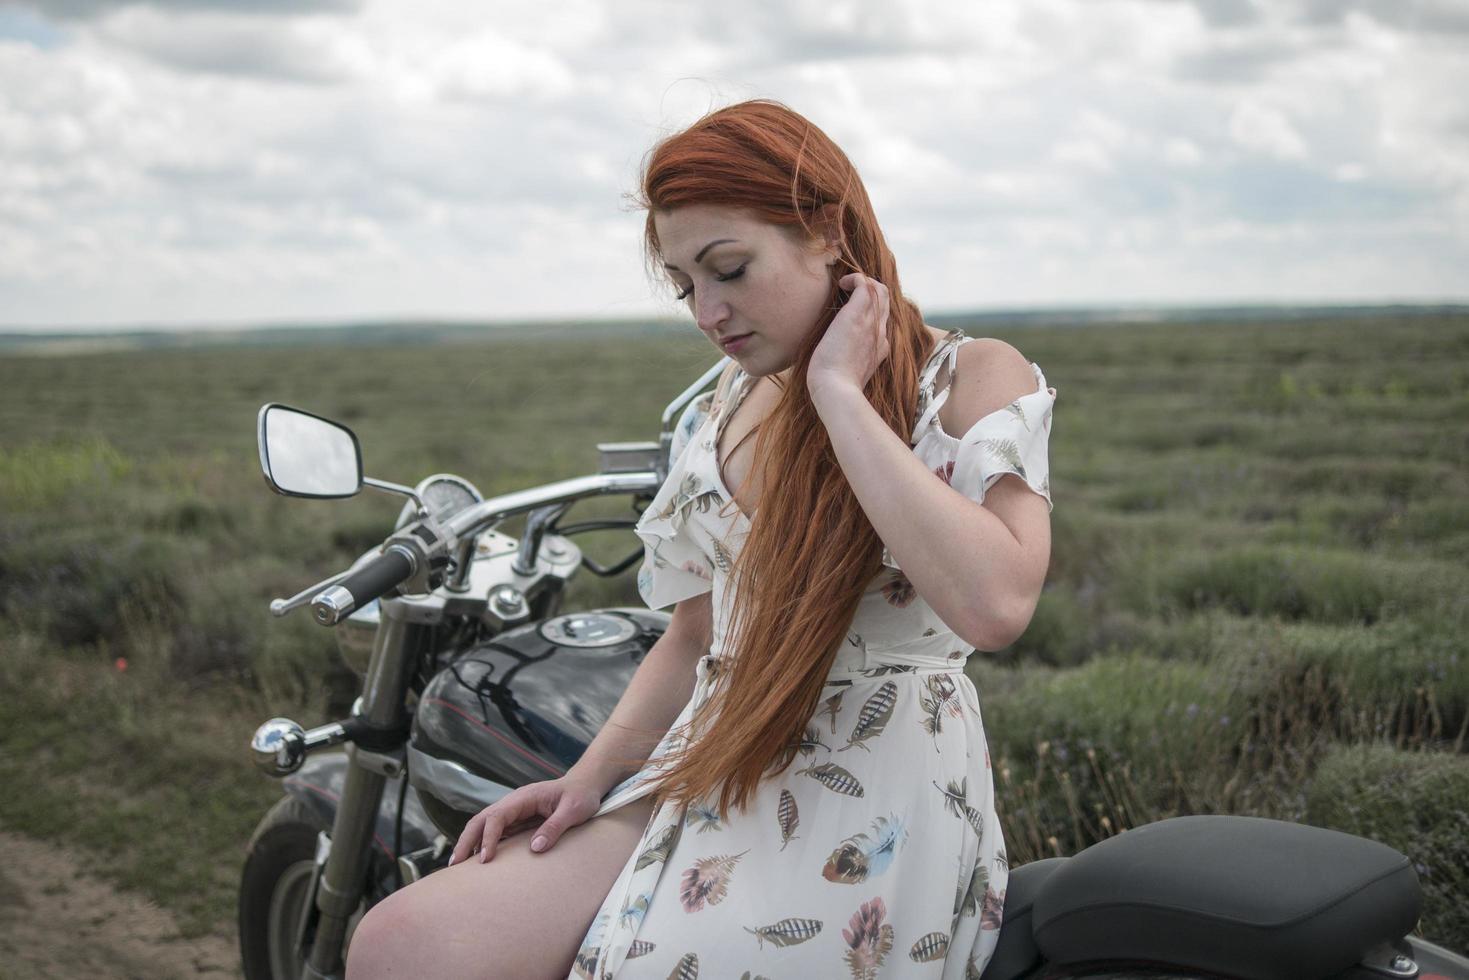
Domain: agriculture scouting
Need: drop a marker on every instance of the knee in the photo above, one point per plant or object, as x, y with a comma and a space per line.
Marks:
384, 943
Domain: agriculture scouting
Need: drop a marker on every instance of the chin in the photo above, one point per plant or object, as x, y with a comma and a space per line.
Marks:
757, 368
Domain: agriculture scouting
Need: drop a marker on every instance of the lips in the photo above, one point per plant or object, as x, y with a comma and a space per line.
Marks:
726, 341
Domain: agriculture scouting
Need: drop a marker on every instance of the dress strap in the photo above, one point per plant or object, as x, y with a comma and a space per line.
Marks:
731, 395
947, 353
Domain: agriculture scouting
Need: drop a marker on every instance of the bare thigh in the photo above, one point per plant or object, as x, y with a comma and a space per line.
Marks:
522, 915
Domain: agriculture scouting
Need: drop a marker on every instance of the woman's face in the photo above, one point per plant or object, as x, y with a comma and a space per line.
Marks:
743, 276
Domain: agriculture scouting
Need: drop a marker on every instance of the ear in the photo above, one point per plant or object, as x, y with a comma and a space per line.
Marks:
828, 224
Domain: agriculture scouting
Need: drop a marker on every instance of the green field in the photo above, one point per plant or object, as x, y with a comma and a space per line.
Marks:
1257, 601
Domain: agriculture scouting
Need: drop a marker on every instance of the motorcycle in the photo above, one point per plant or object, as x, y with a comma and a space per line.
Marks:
474, 682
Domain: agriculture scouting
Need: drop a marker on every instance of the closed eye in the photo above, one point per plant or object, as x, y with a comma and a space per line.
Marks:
722, 278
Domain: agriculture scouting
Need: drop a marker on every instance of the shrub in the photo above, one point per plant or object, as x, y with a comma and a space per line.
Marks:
1086, 752
1059, 633
1417, 802
79, 586
42, 475
1294, 583
1402, 680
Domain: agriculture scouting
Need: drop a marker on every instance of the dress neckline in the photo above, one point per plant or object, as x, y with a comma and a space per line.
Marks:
720, 418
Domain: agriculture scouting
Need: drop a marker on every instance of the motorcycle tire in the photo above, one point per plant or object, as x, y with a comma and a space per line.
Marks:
275, 882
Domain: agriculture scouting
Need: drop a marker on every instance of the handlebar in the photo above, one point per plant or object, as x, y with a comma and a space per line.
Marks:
363, 584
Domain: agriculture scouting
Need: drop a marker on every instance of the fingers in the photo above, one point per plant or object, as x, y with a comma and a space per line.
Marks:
872, 291
521, 810
568, 814
497, 817
483, 831
876, 295
882, 317
467, 838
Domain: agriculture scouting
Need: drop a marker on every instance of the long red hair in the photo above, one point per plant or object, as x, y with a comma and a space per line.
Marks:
811, 551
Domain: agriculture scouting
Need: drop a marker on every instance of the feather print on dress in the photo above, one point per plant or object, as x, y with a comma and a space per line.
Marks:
992, 909
956, 801
640, 947
707, 880
591, 948
898, 591
929, 948
861, 856
833, 707
586, 961
722, 557
685, 494
811, 741
705, 816
788, 817
972, 893
881, 669
942, 699
834, 778
659, 849
869, 940
1006, 452
634, 910
687, 968
874, 716
747, 975
786, 932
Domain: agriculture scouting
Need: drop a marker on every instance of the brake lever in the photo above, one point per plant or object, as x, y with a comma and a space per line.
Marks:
279, 607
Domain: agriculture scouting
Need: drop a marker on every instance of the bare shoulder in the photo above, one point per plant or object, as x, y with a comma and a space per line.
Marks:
989, 374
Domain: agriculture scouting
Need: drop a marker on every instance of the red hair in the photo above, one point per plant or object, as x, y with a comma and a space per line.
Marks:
811, 551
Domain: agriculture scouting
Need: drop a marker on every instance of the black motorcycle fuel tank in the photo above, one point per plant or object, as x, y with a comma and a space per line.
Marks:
522, 707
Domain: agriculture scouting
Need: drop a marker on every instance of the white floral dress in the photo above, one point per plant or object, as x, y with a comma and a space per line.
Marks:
878, 853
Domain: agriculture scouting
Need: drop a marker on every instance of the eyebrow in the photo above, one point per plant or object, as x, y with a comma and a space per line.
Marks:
700, 257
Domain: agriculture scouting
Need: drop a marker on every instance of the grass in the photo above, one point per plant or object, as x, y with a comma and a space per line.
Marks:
1256, 601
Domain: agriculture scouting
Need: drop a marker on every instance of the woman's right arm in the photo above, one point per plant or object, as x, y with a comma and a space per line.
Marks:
658, 691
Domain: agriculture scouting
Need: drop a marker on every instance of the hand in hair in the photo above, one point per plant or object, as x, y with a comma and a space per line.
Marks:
857, 340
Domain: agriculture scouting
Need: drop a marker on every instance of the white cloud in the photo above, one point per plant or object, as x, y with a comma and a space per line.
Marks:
181, 161
1264, 129
1181, 152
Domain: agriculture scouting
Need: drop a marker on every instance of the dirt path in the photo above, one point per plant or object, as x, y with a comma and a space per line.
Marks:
58, 921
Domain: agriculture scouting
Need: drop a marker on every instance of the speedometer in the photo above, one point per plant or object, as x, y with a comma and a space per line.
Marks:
444, 494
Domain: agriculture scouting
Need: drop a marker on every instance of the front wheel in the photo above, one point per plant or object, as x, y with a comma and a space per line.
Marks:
274, 888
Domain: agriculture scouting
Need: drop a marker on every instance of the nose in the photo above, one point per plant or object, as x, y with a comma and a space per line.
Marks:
709, 311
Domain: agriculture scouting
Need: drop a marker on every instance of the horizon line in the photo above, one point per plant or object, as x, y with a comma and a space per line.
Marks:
1095, 310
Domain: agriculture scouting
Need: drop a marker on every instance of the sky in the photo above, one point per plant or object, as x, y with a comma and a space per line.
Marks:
206, 162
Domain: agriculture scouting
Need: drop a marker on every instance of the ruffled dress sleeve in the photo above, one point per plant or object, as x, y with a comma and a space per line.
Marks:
674, 566
1013, 439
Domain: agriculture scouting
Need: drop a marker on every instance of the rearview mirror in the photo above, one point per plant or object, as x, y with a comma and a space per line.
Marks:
305, 455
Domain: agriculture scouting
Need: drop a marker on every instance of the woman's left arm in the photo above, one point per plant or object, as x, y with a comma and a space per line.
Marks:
979, 566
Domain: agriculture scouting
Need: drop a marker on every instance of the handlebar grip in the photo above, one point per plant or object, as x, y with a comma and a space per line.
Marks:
363, 585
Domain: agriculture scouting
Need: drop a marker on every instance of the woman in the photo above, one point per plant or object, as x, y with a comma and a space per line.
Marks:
819, 800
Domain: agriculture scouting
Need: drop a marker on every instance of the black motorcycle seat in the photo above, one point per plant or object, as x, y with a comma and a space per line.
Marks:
1240, 897
1016, 954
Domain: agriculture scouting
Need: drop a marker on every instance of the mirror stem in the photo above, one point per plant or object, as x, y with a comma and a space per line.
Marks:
399, 489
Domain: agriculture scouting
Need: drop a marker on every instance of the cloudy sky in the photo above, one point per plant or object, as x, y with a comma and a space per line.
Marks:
231, 161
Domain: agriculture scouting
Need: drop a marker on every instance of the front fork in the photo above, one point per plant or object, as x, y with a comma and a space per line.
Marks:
343, 880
